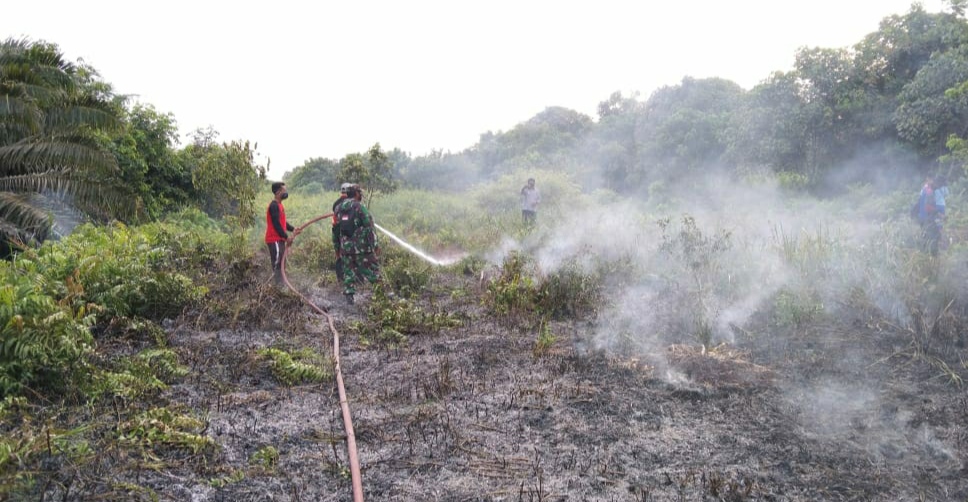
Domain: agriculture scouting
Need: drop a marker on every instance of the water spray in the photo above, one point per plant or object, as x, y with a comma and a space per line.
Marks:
408, 247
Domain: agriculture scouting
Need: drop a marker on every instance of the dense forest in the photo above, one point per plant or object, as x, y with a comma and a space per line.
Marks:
724, 296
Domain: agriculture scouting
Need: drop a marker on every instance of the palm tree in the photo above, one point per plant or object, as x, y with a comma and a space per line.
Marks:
51, 161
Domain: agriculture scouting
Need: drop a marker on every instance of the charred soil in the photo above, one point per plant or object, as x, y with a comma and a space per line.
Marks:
844, 410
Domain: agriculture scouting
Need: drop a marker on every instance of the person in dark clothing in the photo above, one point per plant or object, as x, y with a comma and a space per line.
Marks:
336, 245
278, 230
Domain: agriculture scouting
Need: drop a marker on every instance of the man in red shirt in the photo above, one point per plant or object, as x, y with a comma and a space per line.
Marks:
277, 229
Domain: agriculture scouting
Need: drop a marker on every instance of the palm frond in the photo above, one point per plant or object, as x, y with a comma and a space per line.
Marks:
63, 213
53, 162
40, 155
38, 93
82, 111
18, 118
20, 220
94, 195
35, 62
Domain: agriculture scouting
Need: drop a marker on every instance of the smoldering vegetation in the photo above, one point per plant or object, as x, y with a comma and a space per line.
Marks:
723, 298
740, 343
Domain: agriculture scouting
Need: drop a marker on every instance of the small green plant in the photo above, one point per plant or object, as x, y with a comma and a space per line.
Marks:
569, 291
236, 476
11, 405
18, 450
164, 427
266, 457
796, 309
132, 489
391, 320
45, 344
303, 366
149, 371
23, 444
404, 272
546, 339
698, 258
513, 291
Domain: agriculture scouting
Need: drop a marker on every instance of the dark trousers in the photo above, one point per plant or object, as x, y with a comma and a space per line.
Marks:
528, 216
276, 250
339, 269
931, 235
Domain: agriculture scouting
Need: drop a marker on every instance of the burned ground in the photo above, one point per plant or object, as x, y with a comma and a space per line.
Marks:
835, 411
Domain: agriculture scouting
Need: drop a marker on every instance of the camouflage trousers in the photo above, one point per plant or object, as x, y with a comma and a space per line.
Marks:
357, 267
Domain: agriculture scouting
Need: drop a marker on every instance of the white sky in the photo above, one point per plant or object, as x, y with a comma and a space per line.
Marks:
322, 78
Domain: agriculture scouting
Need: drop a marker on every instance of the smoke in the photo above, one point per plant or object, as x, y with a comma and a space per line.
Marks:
706, 261
715, 254
854, 415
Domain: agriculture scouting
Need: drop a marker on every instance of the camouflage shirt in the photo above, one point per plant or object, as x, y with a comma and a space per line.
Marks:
356, 228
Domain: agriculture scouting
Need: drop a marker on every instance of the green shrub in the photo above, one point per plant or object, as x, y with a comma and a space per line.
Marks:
44, 344
796, 309
266, 457
514, 290
405, 273
699, 259
569, 291
546, 339
121, 269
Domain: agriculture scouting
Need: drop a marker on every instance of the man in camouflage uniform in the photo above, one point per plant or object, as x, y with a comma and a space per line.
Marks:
338, 266
358, 246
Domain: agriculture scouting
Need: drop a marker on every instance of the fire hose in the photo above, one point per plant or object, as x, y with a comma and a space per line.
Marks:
344, 404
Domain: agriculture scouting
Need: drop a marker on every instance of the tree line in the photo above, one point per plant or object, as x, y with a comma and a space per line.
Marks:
895, 103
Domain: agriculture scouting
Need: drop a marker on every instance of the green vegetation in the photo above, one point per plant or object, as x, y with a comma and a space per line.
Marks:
50, 159
159, 428
390, 320
625, 241
303, 366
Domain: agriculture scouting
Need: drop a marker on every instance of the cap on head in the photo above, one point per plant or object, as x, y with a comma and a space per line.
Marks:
352, 189
344, 186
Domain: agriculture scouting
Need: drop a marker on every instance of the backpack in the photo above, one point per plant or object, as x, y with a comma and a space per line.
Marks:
347, 219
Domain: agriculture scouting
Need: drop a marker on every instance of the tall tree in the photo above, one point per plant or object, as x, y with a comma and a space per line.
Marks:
315, 175
926, 114
681, 129
146, 155
373, 170
766, 132
227, 178
51, 162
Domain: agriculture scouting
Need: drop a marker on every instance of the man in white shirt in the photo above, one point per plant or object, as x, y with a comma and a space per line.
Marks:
530, 198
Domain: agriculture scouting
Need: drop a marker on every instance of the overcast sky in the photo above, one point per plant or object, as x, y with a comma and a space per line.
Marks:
322, 79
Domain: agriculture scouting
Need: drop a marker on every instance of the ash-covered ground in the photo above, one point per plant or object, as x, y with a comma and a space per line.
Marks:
845, 411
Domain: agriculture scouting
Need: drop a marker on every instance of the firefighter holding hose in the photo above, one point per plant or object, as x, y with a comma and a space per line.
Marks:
358, 247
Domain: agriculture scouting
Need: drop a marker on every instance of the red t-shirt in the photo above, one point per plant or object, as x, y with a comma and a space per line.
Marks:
271, 234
